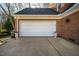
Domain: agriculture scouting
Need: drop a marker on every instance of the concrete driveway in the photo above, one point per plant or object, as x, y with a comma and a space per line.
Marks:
39, 46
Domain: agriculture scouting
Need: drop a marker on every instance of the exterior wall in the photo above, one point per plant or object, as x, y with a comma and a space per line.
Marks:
22, 17
15, 27
69, 29
65, 6
52, 5
61, 7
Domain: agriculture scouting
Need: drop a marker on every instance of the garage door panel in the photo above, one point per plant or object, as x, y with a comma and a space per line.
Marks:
36, 34
37, 28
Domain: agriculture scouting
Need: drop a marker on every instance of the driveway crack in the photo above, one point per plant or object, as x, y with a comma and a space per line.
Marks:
54, 47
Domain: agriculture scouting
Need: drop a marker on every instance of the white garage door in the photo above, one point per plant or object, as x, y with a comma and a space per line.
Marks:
37, 28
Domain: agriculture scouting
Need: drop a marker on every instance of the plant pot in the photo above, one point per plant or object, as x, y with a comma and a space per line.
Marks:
12, 34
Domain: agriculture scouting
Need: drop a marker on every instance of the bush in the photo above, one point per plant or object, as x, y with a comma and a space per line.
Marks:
8, 25
0, 28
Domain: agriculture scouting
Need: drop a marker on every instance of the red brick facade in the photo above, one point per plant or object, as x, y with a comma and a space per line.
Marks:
68, 27
64, 6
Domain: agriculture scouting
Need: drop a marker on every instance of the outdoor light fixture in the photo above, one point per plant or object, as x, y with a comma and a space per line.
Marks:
67, 20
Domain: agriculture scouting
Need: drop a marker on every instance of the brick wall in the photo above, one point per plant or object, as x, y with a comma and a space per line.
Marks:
52, 6
64, 6
68, 27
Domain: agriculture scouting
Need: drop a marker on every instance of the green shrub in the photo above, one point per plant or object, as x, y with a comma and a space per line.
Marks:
0, 28
8, 25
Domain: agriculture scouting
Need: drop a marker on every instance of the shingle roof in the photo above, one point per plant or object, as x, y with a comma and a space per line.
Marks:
37, 11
